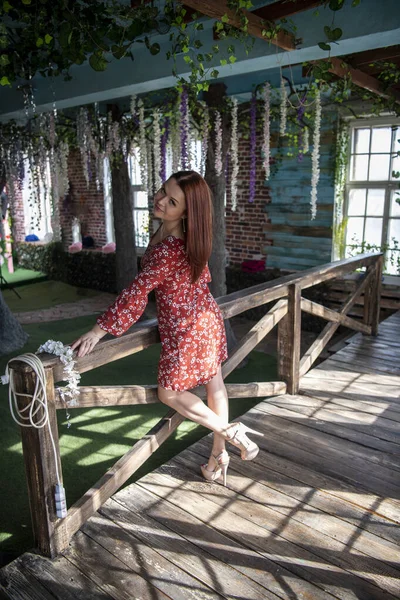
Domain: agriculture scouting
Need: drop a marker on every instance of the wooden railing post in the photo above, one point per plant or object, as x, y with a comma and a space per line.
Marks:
40, 463
289, 336
372, 297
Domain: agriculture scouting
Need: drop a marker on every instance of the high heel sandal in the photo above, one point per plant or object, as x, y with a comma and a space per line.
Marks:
248, 449
221, 463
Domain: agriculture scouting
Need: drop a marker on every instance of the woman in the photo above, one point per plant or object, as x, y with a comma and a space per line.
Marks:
191, 326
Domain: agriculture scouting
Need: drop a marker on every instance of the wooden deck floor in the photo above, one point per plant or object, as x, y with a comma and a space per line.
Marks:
315, 516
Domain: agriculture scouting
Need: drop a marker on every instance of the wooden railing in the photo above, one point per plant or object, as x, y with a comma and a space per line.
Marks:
52, 534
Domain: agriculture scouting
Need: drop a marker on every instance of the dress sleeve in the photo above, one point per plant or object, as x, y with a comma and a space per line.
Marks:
130, 304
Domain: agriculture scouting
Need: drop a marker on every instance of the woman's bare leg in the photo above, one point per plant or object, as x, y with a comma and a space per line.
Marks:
193, 408
217, 400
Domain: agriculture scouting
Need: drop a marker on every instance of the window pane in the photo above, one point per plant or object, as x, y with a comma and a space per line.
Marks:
361, 141
381, 139
376, 203
379, 167
392, 263
134, 168
357, 202
395, 167
394, 231
140, 200
395, 206
355, 227
141, 220
373, 231
359, 167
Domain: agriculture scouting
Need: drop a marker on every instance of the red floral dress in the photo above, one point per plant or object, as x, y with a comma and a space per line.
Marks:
193, 342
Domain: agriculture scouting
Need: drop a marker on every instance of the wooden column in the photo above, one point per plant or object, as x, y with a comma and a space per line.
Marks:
40, 464
372, 296
289, 335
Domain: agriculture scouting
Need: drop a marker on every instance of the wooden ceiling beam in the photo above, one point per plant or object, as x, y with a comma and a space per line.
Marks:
360, 79
255, 26
283, 9
390, 53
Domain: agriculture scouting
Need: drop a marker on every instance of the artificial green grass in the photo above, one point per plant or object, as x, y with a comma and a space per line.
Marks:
97, 437
20, 276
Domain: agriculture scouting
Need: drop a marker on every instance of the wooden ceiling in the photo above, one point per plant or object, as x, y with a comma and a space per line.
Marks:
365, 68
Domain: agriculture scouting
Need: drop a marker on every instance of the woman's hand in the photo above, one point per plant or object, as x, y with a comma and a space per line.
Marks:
85, 343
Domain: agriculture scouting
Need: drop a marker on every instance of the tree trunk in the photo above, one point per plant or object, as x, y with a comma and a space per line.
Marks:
12, 336
125, 253
217, 183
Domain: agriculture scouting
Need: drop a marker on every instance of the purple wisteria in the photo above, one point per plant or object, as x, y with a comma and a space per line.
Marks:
184, 129
253, 139
164, 142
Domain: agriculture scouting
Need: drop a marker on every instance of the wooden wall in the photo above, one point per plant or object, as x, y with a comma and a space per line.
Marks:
292, 240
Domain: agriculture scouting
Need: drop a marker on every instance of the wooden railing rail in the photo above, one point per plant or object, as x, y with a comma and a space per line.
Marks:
52, 534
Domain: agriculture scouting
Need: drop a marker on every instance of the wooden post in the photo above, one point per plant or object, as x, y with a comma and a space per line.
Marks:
372, 297
289, 335
40, 464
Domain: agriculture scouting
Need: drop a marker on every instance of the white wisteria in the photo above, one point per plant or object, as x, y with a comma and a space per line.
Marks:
315, 154
234, 153
266, 144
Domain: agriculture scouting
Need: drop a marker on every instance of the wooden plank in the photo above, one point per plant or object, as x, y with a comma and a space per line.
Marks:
262, 564
112, 480
253, 481
342, 69
372, 297
108, 572
313, 308
362, 462
300, 412
308, 231
255, 25
61, 578
142, 336
254, 336
319, 344
147, 394
120, 539
198, 554
19, 585
261, 526
289, 336
42, 462
317, 490
347, 375
281, 9
363, 365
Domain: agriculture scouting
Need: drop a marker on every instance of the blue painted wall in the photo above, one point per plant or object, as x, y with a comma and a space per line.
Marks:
297, 241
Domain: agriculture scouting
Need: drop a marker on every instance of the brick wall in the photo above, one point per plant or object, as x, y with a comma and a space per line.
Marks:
18, 218
245, 239
85, 203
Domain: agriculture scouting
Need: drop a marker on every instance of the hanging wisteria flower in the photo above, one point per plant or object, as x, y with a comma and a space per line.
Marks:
306, 140
83, 141
185, 130
253, 141
156, 150
175, 140
149, 167
283, 109
132, 106
164, 142
266, 146
315, 154
71, 375
218, 142
234, 153
143, 148
204, 138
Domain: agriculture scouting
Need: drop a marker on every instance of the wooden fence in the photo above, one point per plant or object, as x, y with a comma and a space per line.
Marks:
52, 534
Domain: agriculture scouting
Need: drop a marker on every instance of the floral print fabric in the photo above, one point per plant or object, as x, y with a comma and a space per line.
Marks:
193, 342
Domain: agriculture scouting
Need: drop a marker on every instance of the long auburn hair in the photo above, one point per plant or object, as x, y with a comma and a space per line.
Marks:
199, 219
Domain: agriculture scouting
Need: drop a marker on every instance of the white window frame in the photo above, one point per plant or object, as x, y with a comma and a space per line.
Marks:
389, 185
31, 212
